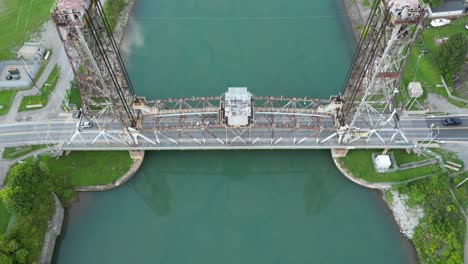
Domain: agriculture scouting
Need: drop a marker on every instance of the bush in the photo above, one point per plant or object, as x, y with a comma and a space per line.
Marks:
440, 234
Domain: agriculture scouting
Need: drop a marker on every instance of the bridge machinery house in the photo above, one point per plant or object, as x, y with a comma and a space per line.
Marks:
237, 107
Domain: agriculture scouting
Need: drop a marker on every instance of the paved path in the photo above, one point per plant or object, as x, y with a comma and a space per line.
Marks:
51, 40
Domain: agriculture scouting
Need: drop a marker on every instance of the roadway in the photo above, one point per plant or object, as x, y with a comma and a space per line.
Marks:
202, 136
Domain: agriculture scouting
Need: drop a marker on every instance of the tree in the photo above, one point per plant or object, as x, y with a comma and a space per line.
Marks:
21, 256
27, 185
4, 259
452, 53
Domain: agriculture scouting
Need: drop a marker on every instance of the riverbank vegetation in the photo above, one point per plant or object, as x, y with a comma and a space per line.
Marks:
4, 218
440, 233
359, 163
42, 99
112, 10
12, 153
90, 168
28, 197
19, 20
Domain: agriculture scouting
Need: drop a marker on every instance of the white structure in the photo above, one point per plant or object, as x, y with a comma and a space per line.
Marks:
383, 162
415, 89
440, 22
237, 106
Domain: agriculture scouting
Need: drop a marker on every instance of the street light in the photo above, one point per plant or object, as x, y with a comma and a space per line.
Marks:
432, 134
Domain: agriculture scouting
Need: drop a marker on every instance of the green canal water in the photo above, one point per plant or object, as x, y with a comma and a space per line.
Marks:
214, 207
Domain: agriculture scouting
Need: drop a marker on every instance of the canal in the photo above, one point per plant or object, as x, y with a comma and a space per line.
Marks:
235, 206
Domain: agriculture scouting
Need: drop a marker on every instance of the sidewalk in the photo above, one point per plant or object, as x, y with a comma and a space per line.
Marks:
50, 39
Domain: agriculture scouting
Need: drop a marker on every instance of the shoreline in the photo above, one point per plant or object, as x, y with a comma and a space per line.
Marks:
406, 219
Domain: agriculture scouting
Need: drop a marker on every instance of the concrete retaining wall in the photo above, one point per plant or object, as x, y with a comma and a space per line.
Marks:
53, 231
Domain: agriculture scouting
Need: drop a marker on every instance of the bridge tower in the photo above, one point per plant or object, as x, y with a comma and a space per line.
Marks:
100, 75
373, 80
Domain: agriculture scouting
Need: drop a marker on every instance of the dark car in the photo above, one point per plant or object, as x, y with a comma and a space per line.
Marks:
451, 122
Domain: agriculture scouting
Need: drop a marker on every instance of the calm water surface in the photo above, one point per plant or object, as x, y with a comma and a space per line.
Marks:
235, 206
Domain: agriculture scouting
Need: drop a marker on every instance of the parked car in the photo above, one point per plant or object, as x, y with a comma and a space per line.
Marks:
86, 124
451, 122
77, 114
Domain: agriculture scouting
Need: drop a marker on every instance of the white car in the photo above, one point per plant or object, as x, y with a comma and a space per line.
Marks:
86, 124
440, 22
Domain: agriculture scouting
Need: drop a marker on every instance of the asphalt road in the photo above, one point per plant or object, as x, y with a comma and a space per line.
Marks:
414, 129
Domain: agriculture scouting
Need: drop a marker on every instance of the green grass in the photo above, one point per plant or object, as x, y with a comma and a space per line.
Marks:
112, 9
43, 65
16, 152
429, 34
19, 20
423, 71
6, 99
359, 163
426, 71
74, 96
90, 168
461, 192
4, 218
46, 90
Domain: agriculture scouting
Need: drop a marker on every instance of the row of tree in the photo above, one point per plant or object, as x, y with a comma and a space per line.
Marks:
28, 197
452, 55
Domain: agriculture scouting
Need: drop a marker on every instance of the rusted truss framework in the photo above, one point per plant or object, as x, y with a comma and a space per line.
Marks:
374, 77
100, 74
275, 119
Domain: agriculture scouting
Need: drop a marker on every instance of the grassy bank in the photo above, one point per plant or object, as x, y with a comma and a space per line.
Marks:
90, 168
359, 163
6, 99
112, 10
440, 234
11, 153
19, 20
46, 90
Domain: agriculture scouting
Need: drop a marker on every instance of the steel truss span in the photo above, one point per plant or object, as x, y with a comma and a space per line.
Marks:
362, 115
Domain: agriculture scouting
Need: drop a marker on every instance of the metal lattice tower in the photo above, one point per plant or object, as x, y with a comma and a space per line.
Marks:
374, 78
100, 74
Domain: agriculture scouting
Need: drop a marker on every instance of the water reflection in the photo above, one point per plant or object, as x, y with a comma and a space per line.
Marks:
155, 192
154, 186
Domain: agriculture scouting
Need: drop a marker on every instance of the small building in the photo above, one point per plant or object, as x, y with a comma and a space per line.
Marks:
382, 162
237, 106
415, 89
31, 51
